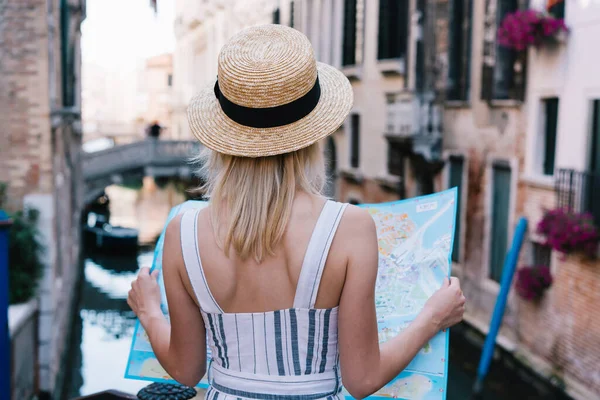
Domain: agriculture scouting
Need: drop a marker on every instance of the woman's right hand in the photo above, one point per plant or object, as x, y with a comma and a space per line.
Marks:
446, 306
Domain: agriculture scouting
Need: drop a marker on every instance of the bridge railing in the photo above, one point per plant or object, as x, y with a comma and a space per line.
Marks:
138, 155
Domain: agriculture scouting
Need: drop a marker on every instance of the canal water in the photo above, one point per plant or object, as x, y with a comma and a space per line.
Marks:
104, 325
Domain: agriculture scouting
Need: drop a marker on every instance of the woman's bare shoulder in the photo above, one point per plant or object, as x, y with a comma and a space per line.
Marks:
356, 224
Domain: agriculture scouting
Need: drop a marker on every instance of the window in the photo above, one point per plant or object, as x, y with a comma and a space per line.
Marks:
459, 54
354, 140
501, 185
276, 16
292, 14
67, 56
393, 29
349, 33
541, 255
420, 48
170, 80
548, 145
556, 8
593, 177
503, 69
455, 179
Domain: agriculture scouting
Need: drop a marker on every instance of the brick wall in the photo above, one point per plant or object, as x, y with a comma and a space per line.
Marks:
25, 136
562, 328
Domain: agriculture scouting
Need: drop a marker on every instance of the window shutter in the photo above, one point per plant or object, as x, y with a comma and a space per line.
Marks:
355, 141
551, 111
501, 177
349, 44
420, 48
383, 39
489, 50
465, 82
455, 175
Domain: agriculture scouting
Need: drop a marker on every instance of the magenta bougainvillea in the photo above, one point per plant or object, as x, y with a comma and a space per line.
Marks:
569, 232
532, 281
524, 28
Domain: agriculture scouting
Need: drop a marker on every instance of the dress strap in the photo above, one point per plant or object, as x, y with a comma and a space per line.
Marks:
193, 264
316, 254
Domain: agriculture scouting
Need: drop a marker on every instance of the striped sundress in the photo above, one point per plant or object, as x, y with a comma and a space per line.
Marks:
283, 354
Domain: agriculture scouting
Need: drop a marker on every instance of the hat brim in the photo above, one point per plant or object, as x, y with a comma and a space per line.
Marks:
218, 132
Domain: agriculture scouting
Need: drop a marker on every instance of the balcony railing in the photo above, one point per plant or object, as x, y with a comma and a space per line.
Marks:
578, 191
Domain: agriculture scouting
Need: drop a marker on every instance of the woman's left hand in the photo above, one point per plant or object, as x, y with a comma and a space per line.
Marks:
144, 296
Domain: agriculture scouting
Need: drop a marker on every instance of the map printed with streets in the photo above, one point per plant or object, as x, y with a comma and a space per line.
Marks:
415, 239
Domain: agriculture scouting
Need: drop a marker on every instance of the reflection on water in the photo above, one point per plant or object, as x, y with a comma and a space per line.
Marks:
104, 326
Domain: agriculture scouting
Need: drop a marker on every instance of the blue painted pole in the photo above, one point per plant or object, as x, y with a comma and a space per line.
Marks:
5, 372
510, 264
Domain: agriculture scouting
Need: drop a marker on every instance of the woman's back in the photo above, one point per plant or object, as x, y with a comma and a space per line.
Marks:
270, 328
243, 286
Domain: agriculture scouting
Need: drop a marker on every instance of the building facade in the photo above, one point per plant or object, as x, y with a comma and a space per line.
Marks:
390, 146
39, 152
156, 94
519, 136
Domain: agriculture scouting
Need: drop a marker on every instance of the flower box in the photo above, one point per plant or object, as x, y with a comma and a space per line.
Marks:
525, 28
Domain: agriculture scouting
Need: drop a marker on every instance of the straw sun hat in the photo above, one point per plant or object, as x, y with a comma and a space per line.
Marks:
270, 97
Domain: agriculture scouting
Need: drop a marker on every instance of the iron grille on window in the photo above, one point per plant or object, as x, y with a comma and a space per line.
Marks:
578, 191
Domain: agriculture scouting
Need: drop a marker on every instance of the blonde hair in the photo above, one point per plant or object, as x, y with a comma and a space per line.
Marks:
251, 198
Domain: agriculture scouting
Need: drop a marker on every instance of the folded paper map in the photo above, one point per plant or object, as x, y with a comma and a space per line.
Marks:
415, 246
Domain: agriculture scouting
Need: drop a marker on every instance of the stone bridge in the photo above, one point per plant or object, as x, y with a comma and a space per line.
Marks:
158, 158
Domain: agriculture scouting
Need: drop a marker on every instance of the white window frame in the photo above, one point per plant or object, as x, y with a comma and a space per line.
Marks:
535, 139
486, 282
462, 213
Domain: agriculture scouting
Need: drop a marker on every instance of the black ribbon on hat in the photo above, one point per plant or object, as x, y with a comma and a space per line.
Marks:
272, 116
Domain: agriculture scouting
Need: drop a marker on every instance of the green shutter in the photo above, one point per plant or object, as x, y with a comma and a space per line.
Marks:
455, 175
551, 122
349, 40
501, 176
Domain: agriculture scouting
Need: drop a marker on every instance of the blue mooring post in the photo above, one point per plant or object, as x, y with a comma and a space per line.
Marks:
5, 372
510, 264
